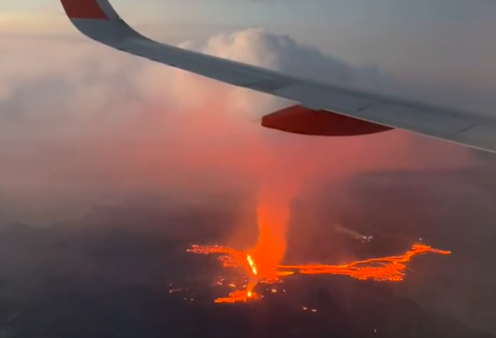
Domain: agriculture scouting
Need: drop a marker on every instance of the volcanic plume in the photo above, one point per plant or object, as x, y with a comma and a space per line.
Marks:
272, 216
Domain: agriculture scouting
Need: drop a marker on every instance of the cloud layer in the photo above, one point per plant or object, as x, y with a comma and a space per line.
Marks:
78, 118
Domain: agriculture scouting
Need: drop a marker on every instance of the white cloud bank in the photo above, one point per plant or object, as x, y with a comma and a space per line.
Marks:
79, 117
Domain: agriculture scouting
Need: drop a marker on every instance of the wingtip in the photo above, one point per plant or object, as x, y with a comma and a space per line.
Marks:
84, 9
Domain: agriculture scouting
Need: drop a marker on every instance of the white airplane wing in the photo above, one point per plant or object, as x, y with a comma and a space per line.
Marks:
323, 109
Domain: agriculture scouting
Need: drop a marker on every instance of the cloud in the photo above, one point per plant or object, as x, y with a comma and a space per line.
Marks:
78, 118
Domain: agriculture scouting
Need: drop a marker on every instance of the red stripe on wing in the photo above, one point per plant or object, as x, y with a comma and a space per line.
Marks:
83, 9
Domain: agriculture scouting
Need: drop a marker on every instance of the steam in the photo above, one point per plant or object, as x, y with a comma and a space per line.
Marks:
99, 125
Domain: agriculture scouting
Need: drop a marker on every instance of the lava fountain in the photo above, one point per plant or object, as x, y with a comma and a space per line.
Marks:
273, 214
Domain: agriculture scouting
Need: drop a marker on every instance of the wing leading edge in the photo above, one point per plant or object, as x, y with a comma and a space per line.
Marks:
99, 21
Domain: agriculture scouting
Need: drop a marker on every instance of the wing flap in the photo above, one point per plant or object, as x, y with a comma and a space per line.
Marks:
460, 127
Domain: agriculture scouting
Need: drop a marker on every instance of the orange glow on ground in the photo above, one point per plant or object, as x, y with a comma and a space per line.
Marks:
390, 269
238, 296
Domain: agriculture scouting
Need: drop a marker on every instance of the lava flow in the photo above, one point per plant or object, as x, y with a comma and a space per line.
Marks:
238, 296
379, 269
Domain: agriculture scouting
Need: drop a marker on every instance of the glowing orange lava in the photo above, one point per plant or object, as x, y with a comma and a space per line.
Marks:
379, 269
238, 296
252, 265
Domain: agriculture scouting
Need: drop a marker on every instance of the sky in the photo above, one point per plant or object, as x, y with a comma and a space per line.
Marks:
93, 137
423, 40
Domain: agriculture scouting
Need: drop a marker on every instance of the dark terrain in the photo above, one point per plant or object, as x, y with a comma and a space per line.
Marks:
115, 283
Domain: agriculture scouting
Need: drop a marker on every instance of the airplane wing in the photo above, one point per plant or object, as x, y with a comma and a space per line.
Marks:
349, 112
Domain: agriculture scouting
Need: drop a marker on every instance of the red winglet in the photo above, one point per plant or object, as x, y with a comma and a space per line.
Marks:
83, 9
